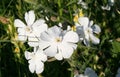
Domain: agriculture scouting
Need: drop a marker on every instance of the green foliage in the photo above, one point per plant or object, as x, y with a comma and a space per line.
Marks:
116, 49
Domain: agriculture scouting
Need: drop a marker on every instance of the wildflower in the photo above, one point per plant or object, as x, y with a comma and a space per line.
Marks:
57, 43
31, 30
88, 73
108, 6
35, 60
86, 30
83, 4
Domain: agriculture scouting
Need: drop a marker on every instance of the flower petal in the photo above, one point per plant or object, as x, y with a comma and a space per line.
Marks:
90, 23
21, 31
39, 67
38, 23
22, 37
19, 23
28, 55
51, 51
39, 26
45, 36
58, 56
41, 55
96, 29
55, 31
32, 67
84, 21
66, 50
86, 42
33, 41
44, 44
71, 37
94, 39
33, 44
30, 17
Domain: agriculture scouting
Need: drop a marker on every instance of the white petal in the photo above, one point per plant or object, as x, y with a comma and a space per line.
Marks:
18, 23
33, 41
41, 55
84, 21
87, 34
84, 5
90, 73
71, 37
45, 36
33, 44
40, 70
22, 38
86, 42
28, 55
107, 7
39, 26
51, 51
59, 56
32, 67
55, 31
74, 46
39, 67
96, 29
90, 23
44, 44
60, 25
94, 39
30, 18
68, 28
66, 50
21, 31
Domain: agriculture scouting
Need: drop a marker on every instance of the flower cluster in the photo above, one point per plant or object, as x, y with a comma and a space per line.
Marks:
53, 41
86, 29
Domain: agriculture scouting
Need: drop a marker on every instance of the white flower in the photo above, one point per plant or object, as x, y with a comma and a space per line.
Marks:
35, 60
83, 4
108, 6
57, 43
88, 73
86, 30
31, 29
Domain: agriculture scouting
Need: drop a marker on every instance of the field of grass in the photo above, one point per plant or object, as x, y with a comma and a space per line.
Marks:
103, 58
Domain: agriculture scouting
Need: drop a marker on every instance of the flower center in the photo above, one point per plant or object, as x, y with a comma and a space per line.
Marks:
89, 30
58, 39
28, 29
